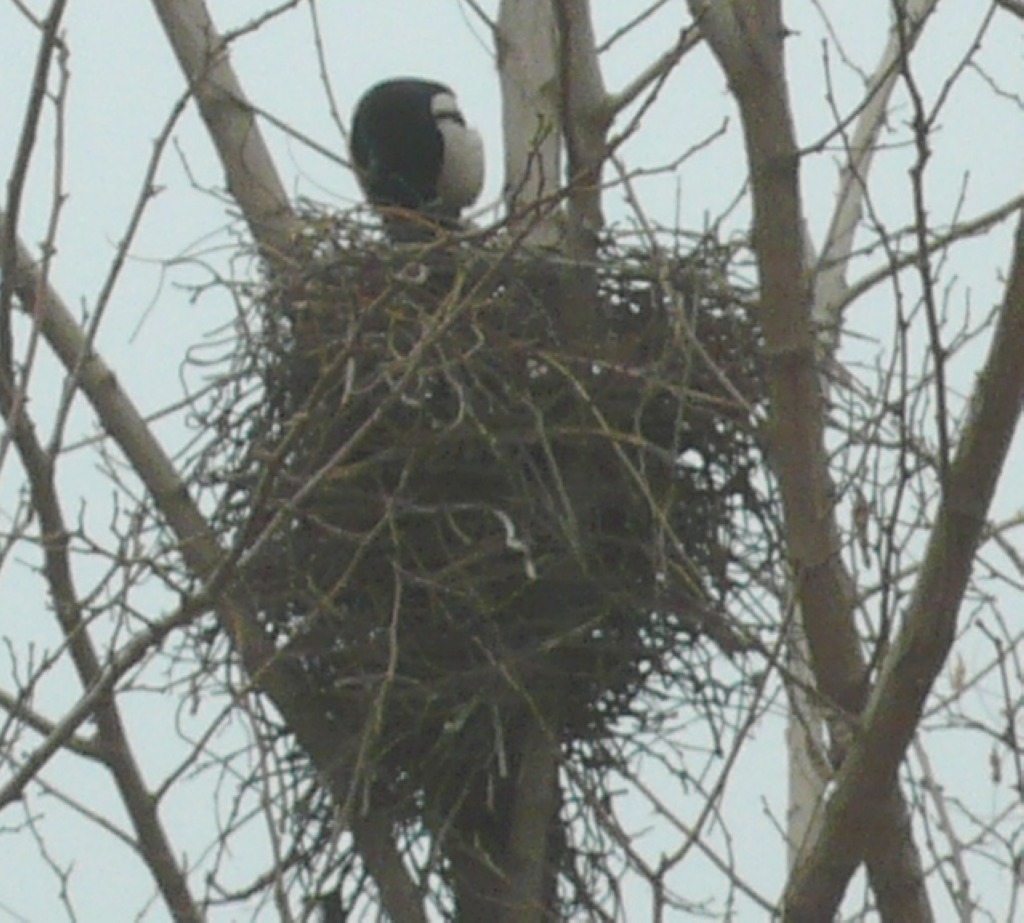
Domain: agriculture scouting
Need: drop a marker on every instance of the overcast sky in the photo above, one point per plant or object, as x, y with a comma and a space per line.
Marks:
123, 85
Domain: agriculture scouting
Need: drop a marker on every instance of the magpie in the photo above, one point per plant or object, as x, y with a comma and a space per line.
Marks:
413, 150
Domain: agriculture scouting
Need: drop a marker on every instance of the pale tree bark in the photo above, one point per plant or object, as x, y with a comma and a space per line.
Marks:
586, 117
807, 760
200, 549
553, 101
527, 48
534, 87
807, 771
558, 119
255, 185
831, 282
748, 43
249, 170
920, 650
113, 749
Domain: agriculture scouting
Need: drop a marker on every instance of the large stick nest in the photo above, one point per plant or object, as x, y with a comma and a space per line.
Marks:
464, 513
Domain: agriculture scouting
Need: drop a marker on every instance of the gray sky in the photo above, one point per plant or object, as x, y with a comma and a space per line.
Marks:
123, 84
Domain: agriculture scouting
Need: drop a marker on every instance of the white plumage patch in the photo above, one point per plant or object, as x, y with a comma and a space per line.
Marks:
462, 163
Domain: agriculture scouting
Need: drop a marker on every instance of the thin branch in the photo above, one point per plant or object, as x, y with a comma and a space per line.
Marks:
630, 24
61, 735
960, 893
747, 40
920, 650
17, 708
527, 49
830, 280
253, 182
252, 178
48, 46
41, 473
1012, 6
938, 242
479, 12
688, 39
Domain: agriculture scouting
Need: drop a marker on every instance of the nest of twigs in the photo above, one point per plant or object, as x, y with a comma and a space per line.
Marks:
467, 512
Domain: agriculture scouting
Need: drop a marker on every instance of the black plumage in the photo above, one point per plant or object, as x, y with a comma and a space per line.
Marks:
413, 150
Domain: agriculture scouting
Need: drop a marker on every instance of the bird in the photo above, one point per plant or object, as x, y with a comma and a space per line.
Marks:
413, 151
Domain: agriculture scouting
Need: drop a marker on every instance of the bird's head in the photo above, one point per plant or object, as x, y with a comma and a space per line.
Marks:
413, 150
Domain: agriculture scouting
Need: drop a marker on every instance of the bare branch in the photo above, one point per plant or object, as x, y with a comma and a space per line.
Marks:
64, 737
199, 546
252, 178
584, 107
254, 183
536, 808
60, 735
748, 43
1012, 6
638, 20
48, 46
687, 40
527, 43
40, 471
921, 648
938, 242
830, 279
755, 71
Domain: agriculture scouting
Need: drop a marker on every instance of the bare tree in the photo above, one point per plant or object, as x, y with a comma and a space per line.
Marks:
491, 556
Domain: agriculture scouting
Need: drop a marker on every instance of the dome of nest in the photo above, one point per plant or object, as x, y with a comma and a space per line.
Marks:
466, 514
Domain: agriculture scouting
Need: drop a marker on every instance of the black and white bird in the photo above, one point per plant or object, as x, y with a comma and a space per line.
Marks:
413, 150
